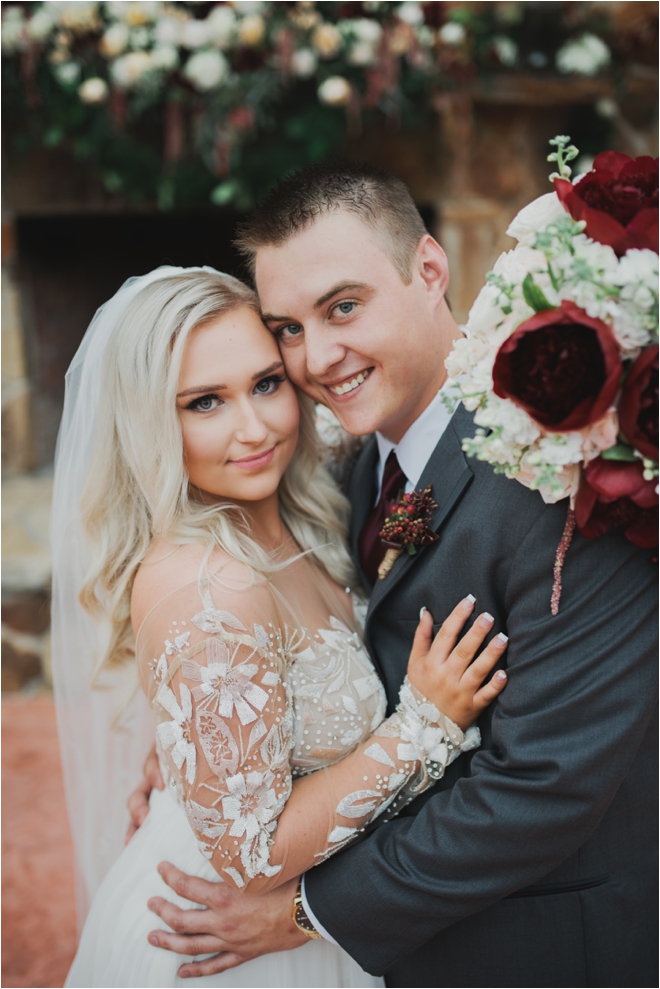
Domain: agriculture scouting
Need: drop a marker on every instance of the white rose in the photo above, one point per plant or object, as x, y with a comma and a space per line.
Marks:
637, 266
485, 314
222, 25
68, 73
335, 91
165, 57
515, 265
362, 53
452, 33
365, 29
114, 41
167, 31
206, 70
93, 90
194, 34
251, 29
39, 27
303, 63
128, 70
534, 217
13, 29
248, 6
411, 13
326, 39
586, 55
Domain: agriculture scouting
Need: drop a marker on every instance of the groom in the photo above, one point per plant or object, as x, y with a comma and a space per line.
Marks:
531, 863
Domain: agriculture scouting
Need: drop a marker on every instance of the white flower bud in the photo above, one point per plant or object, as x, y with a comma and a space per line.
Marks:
252, 29
303, 63
68, 73
168, 31
39, 27
165, 57
335, 91
452, 33
194, 34
93, 90
115, 40
222, 25
327, 40
206, 70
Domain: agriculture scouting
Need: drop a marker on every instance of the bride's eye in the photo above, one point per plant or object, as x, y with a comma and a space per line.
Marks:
268, 385
206, 403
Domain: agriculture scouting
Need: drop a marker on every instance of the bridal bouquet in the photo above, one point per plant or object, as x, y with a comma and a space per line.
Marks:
560, 364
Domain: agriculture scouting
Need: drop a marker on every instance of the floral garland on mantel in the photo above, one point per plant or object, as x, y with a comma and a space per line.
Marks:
145, 87
560, 364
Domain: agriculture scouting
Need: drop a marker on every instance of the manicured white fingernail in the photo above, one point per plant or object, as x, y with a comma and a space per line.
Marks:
502, 637
468, 601
486, 619
421, 612
501, 675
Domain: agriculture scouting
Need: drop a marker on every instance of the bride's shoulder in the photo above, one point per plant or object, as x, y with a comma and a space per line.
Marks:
169, 568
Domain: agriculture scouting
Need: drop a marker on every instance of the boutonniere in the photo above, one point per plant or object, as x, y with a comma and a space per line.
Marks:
407, 527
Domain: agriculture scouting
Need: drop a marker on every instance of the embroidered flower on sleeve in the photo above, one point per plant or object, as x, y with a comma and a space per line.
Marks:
177, 734
223, 687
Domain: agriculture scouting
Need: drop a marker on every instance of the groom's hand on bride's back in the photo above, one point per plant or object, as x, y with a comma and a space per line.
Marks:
234, 927
138, 802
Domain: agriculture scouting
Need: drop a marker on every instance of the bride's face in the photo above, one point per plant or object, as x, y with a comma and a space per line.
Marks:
239, 413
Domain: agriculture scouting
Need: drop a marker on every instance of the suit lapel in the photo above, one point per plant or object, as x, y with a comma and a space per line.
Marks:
448, 473
362, 494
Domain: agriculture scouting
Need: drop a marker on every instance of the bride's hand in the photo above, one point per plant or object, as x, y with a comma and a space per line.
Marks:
445, 670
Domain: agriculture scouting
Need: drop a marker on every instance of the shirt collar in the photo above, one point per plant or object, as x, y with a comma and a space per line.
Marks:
414, 449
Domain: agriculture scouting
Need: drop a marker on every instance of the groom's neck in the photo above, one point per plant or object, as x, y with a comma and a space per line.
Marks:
449, 331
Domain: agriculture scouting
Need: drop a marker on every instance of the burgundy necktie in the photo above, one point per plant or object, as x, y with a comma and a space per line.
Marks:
372, 549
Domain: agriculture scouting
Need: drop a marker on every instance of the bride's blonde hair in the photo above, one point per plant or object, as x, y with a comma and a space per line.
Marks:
137, 485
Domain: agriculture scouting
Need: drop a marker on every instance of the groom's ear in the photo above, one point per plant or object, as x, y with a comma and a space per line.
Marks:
432, 267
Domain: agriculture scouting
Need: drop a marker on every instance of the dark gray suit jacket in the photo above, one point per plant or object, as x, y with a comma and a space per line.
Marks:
532, 863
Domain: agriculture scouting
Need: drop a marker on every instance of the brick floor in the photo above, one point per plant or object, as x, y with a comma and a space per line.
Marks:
38, 911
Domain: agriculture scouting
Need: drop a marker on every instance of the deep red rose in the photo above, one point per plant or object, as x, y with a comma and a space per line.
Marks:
618, 200
638, 409
561, 366
614, 494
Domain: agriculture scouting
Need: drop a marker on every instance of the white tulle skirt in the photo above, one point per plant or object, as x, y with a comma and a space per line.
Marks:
114, 950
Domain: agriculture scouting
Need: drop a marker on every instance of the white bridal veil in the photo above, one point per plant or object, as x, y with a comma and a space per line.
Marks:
102, 754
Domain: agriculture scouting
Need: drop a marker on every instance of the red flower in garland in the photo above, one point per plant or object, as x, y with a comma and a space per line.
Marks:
618, 200
638, 409
561, 366
612, 494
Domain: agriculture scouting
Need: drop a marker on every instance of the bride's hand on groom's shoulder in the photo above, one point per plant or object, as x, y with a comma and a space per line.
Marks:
138, 802
444, 669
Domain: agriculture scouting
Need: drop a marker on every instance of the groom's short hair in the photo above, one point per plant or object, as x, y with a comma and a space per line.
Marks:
381, 200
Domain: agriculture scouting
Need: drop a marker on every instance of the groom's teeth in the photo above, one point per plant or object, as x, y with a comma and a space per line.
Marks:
350, 385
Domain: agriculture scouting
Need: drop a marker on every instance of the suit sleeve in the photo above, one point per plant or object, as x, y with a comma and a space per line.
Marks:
581, 693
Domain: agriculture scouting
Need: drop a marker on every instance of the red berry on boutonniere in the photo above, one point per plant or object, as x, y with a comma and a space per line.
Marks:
407, 527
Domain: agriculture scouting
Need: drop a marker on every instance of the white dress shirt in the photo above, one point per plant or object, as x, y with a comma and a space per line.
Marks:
413, 452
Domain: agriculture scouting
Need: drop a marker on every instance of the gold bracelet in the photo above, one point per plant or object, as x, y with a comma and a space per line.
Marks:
300, 918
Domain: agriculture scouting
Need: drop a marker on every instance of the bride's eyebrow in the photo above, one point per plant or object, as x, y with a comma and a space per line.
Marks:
200, 389
205, 389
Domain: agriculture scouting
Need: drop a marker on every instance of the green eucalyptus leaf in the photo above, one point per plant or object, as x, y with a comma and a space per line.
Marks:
620, 452
534, 297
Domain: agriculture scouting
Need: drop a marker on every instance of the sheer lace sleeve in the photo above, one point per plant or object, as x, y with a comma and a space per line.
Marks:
219, 680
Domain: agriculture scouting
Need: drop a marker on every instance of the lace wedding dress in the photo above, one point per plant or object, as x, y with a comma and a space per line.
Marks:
250, 701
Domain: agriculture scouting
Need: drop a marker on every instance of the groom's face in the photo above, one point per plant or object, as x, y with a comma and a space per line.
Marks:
352, 334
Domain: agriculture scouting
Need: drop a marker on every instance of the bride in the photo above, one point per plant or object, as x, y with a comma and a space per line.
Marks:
195, 521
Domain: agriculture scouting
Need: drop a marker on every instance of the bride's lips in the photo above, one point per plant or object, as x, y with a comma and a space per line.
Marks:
345, 388
258, 460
